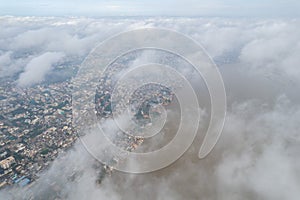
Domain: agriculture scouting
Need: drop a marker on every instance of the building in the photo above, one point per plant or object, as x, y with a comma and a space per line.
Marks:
6, 163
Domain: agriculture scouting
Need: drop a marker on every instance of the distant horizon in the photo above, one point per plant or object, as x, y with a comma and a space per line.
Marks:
168, 8
131, 105
155, 16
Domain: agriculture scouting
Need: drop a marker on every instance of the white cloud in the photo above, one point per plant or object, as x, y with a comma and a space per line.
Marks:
257, 156
274, 48
259, 152
38, 67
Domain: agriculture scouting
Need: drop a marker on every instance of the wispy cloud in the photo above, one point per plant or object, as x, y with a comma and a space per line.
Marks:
257, 156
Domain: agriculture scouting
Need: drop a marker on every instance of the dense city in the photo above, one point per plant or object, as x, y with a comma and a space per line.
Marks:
36, 123
35, 126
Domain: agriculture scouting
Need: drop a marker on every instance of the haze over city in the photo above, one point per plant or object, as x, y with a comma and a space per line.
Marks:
141, 74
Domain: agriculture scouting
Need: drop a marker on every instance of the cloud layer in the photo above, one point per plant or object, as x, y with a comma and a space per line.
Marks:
257, 155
